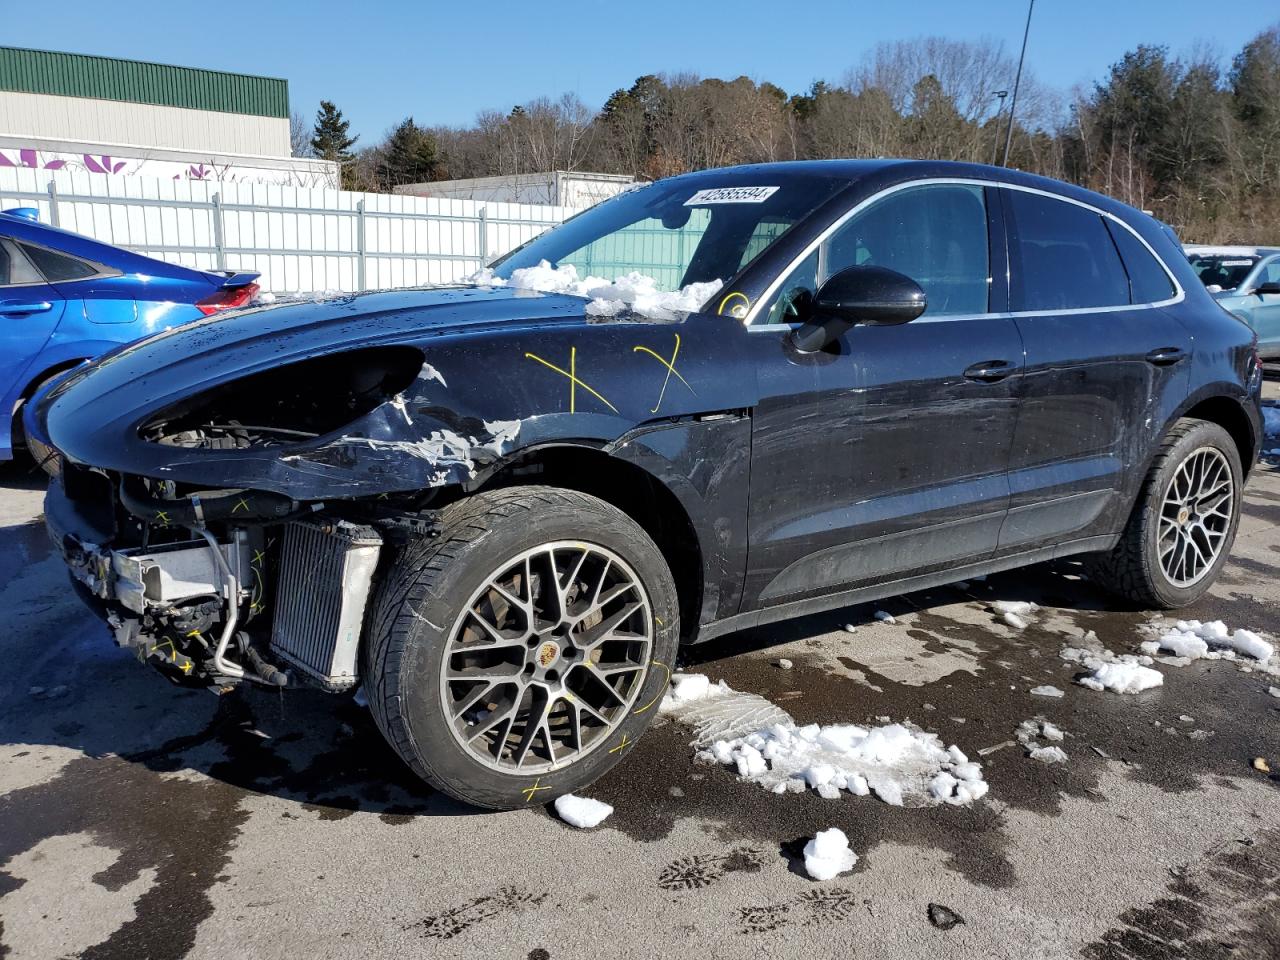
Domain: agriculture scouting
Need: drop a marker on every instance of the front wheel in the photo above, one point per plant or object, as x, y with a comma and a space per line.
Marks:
521, 653
1184, 523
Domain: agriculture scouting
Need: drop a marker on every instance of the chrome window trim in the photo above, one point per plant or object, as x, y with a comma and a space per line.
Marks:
1178, 297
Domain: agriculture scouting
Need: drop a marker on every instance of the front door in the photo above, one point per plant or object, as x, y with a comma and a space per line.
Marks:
887, 454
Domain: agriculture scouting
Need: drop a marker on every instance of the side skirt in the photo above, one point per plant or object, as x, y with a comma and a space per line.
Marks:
893, 588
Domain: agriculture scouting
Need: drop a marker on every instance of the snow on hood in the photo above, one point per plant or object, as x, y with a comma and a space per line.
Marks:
635, 292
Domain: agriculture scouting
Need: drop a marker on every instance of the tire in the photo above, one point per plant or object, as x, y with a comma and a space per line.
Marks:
1134, 567
430, 611
45, 457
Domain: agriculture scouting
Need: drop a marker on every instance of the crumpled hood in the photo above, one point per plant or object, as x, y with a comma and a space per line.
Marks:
502, 369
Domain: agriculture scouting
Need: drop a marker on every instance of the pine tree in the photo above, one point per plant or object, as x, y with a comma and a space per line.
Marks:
408, 156
329, 137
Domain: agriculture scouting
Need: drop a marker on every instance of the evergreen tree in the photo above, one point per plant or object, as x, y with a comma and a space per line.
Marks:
329, 139
408, 156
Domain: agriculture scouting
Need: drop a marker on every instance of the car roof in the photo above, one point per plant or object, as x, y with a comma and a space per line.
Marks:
1204, 250
891, 169
78, 245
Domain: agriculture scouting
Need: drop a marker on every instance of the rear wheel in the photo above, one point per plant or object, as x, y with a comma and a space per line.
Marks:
1182, 528
521, 653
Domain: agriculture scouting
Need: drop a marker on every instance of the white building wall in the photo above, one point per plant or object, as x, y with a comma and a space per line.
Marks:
109, 121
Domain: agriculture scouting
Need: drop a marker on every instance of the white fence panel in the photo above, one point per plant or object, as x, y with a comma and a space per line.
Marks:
301, 239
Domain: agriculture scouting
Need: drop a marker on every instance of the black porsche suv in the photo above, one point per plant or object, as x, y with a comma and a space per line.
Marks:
723, 399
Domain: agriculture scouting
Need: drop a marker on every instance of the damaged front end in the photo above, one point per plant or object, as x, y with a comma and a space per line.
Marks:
217, 587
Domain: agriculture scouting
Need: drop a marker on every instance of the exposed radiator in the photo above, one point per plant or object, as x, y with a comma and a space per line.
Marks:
326, 569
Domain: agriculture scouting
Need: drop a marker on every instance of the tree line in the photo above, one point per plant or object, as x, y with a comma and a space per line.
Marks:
1192, 138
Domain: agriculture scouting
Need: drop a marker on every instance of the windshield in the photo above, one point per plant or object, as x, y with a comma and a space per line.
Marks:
1225, 273
674, 242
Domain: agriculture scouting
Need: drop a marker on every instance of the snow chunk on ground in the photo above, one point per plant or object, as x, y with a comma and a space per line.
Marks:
885, 617
635, 291
763, 743
1193, 639
582, 812
828, 855
1049, 755
1047, 691
1122, 678
1125, 673
1018, 607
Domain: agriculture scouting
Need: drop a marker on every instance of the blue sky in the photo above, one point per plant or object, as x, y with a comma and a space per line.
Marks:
443, 62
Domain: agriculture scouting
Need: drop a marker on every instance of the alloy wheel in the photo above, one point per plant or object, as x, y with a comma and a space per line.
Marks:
1195, 516
547, 658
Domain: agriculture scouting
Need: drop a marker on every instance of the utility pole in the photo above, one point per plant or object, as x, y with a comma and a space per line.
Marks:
1013, 104
995, 140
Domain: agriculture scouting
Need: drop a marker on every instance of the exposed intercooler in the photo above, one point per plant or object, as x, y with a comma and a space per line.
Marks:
326, 570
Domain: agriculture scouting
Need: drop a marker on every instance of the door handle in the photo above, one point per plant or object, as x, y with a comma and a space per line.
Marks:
21, 309
1166, 356
989, 371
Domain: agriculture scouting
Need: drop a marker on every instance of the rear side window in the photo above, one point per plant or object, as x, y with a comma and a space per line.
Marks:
1148, 281
59, 266
1062, 257
15, 269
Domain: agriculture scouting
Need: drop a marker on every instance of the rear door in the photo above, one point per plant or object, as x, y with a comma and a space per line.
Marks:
886, 454
1105, 367
29, 312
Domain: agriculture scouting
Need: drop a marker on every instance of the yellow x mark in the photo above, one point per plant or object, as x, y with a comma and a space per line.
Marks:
671, 369
574, 382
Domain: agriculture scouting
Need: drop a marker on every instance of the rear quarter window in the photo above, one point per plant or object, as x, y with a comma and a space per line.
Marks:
1148, 280
1062, 256
58, 266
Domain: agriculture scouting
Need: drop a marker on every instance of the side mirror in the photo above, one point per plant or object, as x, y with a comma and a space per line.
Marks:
1271, 286
875, 296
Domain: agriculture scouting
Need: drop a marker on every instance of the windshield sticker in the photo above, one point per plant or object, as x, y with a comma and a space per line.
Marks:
1235, 263
731, 195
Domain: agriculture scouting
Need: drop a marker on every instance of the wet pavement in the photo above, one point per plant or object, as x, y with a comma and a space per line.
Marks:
141, 820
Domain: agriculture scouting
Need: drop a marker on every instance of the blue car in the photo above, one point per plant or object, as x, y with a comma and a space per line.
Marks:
1246, 282
65, 298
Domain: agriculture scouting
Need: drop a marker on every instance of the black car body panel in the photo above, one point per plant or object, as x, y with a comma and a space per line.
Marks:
898, 456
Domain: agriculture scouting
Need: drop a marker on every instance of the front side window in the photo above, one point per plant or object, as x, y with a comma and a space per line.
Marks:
1061, 256
934, 233
1270, 273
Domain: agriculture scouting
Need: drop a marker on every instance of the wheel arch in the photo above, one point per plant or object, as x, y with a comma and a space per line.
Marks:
636, 492
1229, 413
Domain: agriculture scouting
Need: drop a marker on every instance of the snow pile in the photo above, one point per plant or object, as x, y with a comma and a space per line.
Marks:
1107, 671
885, 616
764, 744
1193, 640
635, 291
716, 711
828, 855
582, 812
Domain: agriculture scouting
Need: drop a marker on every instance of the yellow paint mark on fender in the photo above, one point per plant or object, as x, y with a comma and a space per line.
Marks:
671, 369
574, 381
